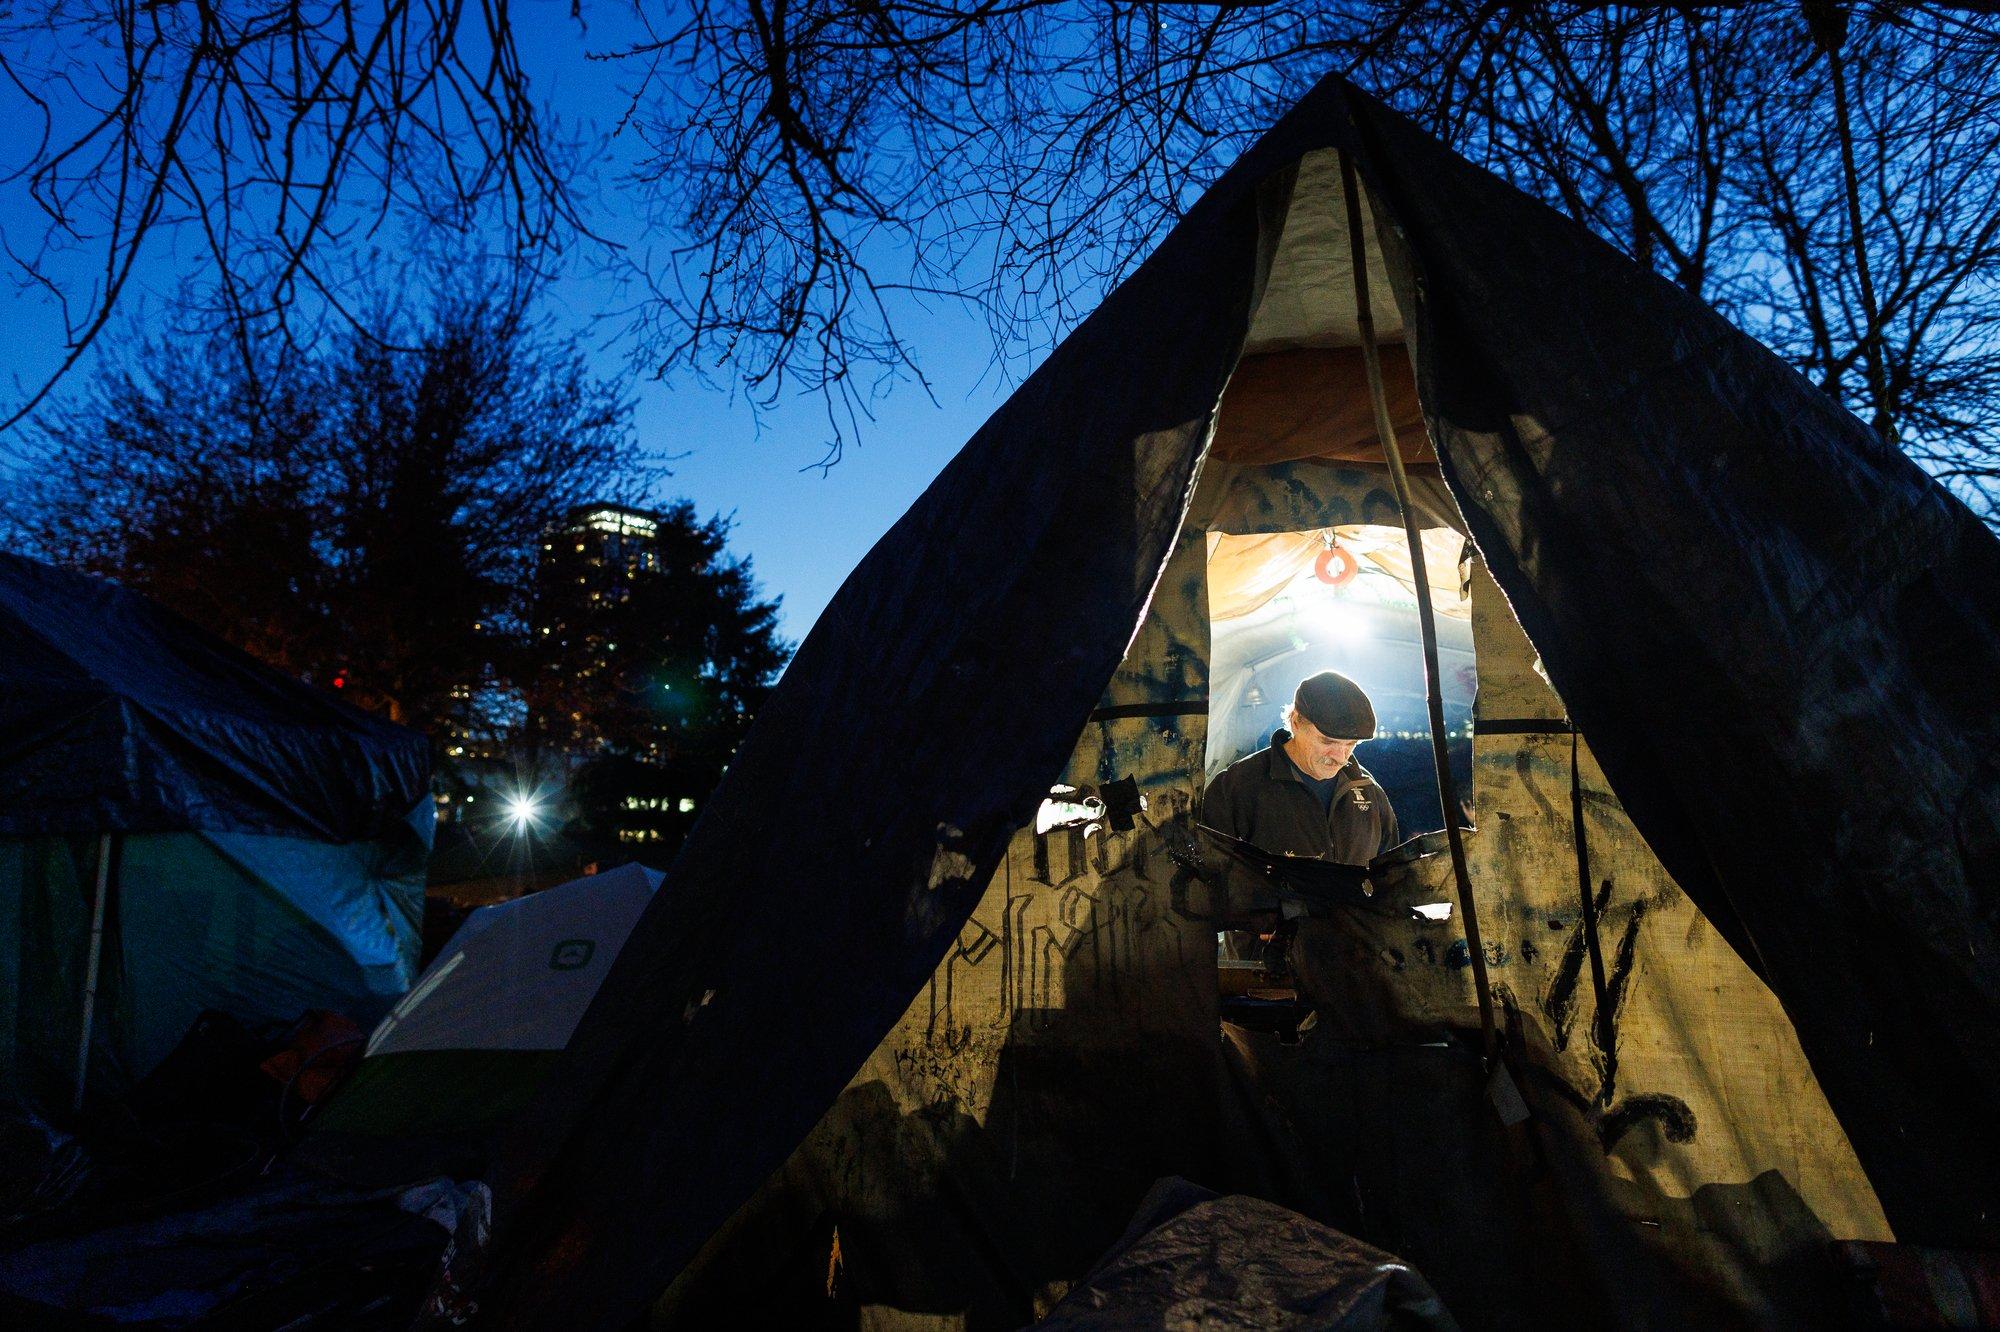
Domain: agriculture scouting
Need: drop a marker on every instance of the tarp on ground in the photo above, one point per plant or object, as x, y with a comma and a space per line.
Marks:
290, 1250
117, 715
1190, 1259
1737, 588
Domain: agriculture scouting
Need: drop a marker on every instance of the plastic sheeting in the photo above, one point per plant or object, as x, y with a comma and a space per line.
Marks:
259, 927
1246, 574
294, 1251
117, 715
1191, 1260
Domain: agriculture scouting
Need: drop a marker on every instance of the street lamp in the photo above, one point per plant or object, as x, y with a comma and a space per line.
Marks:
524, 810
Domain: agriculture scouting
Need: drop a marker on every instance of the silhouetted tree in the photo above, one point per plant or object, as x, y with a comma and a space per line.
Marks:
1826, 174
645, 666
368, 517
261, 139
1822, 171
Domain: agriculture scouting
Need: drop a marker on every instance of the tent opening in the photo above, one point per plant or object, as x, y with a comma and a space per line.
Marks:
1284, 605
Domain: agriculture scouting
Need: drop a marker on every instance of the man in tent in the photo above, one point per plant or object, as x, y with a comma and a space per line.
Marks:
1306, 793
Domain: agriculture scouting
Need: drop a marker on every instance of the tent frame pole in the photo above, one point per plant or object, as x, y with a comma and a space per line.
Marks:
1385, 433
1605, 1032
91, 967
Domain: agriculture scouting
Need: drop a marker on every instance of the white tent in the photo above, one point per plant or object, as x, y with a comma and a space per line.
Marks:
474, 1036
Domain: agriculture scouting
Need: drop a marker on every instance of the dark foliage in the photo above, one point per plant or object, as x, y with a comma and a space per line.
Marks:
648, 671
367, 517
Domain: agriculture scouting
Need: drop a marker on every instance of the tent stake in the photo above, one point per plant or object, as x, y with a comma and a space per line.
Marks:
90, 968
1385, 432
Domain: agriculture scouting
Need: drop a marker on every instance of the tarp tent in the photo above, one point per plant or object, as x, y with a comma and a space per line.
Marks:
266, 843
1775, 634
473, 1038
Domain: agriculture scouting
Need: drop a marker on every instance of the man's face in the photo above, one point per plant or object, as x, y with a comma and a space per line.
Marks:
1320, 754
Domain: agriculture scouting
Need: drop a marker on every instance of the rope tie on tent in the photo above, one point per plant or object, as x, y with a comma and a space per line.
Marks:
1585, 894
1385, 433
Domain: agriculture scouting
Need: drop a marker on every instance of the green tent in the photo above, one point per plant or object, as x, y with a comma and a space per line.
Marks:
182, 829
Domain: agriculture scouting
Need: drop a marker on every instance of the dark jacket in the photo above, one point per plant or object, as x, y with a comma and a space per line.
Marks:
1265, 799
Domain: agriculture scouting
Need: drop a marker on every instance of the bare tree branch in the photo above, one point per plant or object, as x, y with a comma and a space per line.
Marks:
1824, 173
267, 130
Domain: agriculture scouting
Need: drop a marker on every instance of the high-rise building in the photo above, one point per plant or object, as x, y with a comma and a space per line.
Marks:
536, 741
589, 565
611, 543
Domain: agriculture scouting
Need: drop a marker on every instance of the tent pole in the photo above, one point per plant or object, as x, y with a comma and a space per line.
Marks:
1385, 432
90, 968
1601, 992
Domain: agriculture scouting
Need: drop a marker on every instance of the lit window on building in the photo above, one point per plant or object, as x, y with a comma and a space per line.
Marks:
620, 522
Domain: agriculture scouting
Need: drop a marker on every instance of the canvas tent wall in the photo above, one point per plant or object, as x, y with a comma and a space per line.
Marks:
1065, 1053
1735, 589
473, 1038
266, 843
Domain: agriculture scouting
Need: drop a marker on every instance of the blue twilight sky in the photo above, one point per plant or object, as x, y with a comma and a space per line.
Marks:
803, 527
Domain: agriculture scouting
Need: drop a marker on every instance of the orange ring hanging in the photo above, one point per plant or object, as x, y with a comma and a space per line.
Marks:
1336, 565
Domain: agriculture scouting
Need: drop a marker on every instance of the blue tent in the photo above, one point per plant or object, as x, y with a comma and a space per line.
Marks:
183, 828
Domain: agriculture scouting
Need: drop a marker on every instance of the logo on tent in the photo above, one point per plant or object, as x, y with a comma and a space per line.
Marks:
570, 954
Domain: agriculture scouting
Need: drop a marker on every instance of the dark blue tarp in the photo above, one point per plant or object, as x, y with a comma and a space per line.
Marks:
118, 716
1778, 636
